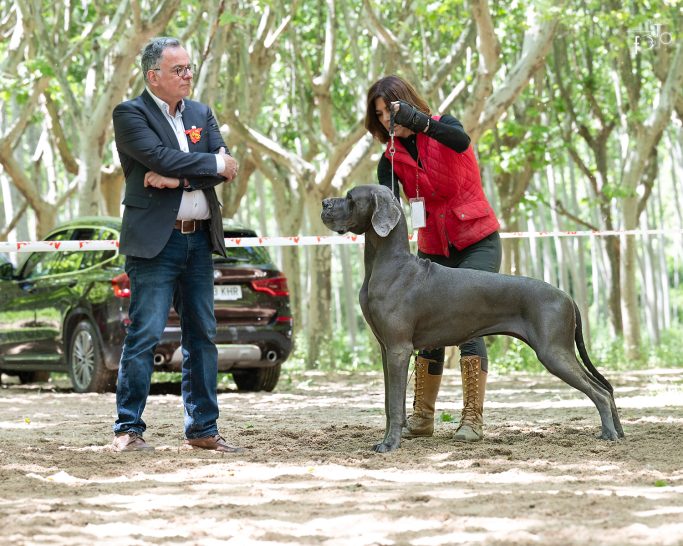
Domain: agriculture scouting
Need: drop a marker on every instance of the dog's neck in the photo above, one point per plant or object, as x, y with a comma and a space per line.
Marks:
388, 248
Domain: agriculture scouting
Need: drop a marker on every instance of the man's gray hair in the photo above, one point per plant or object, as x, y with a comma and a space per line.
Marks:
153, 51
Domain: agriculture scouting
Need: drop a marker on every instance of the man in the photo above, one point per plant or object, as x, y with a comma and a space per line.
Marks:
173, 156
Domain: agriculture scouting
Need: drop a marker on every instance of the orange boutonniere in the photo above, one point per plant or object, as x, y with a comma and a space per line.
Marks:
195, 134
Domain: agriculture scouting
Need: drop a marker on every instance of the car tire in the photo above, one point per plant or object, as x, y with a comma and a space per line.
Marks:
33, 377
86, 364
257, 379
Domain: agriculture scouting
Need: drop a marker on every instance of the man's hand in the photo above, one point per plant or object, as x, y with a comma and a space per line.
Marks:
155, 180
230, 171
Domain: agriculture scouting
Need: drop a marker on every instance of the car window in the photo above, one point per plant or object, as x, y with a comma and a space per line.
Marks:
250, 254
40, 264
94, 257
6, 268
73, 260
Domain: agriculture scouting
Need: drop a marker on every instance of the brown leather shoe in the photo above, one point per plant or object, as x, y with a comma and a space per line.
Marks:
130, 441
216, 443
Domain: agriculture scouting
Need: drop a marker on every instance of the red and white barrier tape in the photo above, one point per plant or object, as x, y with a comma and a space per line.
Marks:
56, 246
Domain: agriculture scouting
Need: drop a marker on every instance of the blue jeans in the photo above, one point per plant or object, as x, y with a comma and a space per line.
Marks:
184, 268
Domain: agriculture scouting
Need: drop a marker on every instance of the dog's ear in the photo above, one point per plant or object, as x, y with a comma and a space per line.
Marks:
386, 214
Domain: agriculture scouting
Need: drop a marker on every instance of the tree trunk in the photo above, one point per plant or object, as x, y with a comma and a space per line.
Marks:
111, 184
629, 292
349, 294
318, 308
612, 246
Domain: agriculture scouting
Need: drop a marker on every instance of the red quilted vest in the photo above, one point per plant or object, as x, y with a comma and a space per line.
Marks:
457, 209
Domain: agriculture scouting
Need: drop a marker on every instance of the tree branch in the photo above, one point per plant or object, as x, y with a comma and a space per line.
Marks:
26, 186
70, 163
322, 82
447, 65
489, 61
647, 135
341, 153
269, 147
391, 42
559, 207
584, 169
353, 161
13, 135
6, 230
537, 42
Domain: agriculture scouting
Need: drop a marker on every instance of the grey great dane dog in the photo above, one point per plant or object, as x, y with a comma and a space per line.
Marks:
411, 303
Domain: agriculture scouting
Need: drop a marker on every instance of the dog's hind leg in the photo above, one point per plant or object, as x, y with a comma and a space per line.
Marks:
597, 384
594, 375
395, 381
615, 418
564, 365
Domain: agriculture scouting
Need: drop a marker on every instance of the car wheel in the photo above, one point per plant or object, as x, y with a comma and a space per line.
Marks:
257, 379
33, 377
86, 365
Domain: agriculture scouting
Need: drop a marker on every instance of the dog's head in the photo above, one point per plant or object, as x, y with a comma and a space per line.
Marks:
364, 207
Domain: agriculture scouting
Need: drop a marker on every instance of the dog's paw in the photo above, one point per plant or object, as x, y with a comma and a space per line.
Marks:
610, 435
384, 447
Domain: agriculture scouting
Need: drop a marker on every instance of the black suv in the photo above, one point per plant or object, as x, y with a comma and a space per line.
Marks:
68, 312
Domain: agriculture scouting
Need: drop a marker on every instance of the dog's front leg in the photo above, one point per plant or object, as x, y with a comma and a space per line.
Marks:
385, 369
397, 360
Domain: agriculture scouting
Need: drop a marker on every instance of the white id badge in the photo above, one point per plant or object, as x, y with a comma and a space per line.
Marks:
417, 212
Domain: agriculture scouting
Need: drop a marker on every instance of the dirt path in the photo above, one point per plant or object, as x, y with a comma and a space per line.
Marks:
309, 477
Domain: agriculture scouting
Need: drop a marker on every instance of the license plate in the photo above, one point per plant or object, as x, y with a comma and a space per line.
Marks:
227, 292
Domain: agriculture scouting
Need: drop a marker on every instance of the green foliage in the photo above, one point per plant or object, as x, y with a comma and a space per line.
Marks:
617, 191
607, 352
40, 67
229, 17
511, 355
174, 377
446, 417
667, 353
338, 354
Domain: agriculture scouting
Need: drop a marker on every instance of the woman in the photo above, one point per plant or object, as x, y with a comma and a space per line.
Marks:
433, 160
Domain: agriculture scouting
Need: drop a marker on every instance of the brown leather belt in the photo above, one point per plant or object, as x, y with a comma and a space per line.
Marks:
190, 226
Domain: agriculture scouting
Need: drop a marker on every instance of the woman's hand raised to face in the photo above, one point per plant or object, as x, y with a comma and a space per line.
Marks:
409, 117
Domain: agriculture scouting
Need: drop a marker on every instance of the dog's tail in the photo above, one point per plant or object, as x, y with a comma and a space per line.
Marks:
581, 346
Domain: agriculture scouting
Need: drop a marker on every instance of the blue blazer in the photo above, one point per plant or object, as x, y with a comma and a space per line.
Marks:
146, 142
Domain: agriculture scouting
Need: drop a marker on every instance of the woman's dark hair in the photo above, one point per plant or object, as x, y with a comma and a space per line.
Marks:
390, 88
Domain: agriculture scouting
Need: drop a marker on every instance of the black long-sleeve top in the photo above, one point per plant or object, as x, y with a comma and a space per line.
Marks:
448, 131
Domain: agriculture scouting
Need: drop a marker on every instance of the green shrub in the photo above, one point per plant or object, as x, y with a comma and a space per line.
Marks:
339, 354
507, 354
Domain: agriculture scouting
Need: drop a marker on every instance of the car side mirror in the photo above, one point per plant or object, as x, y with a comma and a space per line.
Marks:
6, 271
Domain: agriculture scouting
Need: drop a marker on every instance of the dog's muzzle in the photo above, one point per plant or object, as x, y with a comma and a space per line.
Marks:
328, 217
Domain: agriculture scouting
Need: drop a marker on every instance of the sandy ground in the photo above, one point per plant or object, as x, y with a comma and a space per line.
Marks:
309, 476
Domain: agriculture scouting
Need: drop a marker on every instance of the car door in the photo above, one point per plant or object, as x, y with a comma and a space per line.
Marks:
31, 320
59, 289
10, 317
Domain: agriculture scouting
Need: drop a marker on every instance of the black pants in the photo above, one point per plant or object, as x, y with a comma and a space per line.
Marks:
484, 255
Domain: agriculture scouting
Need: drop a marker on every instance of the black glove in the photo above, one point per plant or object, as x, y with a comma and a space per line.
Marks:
411, 118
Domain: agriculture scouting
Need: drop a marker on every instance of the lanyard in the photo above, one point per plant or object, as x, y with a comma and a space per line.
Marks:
392, 148
392, 152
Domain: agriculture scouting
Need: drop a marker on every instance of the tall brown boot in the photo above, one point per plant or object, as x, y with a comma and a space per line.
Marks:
473, 391
428, 375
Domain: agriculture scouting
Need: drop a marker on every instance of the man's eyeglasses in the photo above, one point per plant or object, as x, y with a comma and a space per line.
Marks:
181, 71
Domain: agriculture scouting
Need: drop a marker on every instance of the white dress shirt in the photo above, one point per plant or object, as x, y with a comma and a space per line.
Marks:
194, 205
